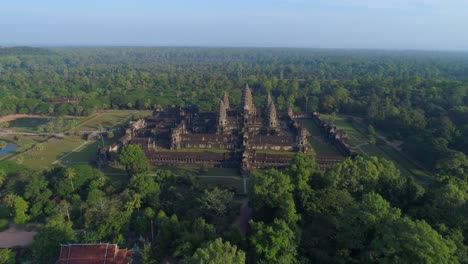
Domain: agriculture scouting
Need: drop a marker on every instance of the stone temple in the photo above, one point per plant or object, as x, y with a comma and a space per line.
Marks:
245, 136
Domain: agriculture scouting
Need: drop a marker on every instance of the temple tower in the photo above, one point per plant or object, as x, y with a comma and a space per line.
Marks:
226, 101
222, 117
269, 101
247, 109
246, 101
272, 117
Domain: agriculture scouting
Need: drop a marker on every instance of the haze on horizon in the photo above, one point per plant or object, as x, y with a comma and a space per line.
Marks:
362, 24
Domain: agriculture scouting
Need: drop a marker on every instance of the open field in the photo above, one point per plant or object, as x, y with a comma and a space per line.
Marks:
87, 152
359, 142
109, 119
53, 149
23, 144
39, 152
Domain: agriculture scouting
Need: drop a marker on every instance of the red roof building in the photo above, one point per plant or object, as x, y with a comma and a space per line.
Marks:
94, 254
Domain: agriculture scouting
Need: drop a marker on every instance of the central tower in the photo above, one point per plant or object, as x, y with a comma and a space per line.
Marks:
247, 107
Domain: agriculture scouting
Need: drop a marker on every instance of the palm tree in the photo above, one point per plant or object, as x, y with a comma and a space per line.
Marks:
3, 176
69, 174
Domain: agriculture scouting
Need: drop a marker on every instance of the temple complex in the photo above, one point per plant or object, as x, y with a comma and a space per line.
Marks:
246, 136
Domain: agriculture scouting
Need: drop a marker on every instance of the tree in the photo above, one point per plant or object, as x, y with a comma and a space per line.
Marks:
3, 177
70, 174
110, 134
216, 202
371, 132
217, 252
46, 243
271, 196
274, 243
146, 187
408, 241
134, 159
301, 169
373, 231
355, 175
7, 256
20, 210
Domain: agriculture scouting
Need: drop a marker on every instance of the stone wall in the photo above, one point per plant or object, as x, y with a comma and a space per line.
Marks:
334, 135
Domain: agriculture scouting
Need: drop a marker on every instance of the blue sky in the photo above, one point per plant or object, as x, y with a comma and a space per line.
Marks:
376, 24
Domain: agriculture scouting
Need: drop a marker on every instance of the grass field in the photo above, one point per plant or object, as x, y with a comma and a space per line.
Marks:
87, 152
109, 119
53, 149
23, 143
317, 141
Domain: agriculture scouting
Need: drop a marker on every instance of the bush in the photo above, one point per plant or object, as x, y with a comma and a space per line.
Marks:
3, 224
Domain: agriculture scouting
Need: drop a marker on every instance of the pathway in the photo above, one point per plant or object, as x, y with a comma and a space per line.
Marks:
4, 132
242, 220
15, 237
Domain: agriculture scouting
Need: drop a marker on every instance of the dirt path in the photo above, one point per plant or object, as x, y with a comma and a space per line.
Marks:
4, 132
242, 220
15, 237
16, 116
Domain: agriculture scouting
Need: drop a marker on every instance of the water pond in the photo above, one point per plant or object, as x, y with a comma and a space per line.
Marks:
7, 149
27, 122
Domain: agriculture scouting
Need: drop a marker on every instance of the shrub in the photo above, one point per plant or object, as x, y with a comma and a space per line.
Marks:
3, 224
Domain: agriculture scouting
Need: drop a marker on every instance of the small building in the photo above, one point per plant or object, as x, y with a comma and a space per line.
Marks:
94, 254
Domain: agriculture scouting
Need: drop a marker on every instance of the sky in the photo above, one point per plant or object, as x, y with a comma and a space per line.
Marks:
349, 24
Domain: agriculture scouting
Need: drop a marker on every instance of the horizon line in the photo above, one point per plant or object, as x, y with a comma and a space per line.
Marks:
229, 47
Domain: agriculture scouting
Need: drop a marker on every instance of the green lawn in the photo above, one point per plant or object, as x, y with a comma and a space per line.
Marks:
317, 141
110, 119
54, 149
88, 151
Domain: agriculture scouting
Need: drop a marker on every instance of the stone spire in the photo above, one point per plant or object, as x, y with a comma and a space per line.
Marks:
247, 101
222, 116
226, 101
269, 101
272, 116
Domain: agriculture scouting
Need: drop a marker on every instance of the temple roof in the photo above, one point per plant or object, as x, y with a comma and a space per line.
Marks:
94, 254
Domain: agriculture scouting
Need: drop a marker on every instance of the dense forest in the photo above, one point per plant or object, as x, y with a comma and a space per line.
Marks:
420, 98
358, 211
